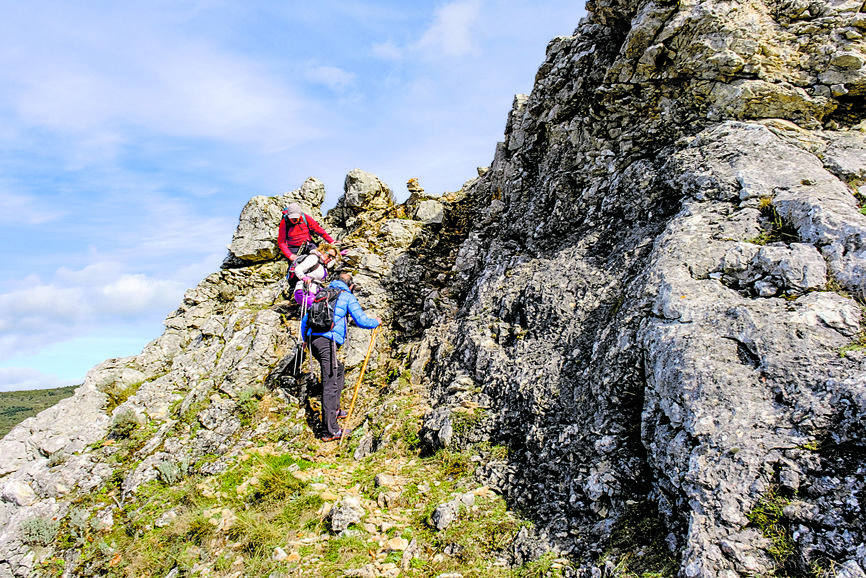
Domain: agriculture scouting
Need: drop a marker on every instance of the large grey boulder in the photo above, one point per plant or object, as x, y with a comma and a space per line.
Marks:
366, 192
255, 238
362, 192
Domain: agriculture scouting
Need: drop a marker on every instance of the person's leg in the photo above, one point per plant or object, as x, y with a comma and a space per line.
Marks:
339, 380
290, 275
325, 353
340, 377
300, 296
317, 355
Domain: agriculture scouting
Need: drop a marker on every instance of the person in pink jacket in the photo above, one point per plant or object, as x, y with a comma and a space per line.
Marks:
296, 230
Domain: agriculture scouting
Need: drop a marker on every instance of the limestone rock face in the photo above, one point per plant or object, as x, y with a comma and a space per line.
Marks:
183, 395
644, 302
649, 297
255, 239
365, 199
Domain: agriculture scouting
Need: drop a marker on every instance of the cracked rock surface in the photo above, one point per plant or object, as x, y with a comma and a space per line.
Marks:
649, 297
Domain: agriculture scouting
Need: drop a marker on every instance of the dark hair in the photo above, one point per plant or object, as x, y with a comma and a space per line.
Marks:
346, 278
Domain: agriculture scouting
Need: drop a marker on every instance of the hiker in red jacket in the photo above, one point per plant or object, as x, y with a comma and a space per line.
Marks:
296, 229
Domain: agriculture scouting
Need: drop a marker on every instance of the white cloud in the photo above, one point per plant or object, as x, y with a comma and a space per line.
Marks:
334, 78
96, 81
99, 273
151, 232
22, 378
452, 30
36, 314
194, 272
17, 208
387, 50
132, 295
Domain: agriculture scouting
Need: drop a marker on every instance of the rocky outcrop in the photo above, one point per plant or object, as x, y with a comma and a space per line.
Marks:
254, 240
649, 298
647, 304
179, 408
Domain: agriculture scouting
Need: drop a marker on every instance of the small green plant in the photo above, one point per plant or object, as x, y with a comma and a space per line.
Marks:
123, 424
191, 413
454, 465
409, 434
775, 228
858, 343
248, 403
767, 516
78, 522
54, 566
276, 484
463, 423
119, 394
39, 530
172, 472
641, 529
347, 550
835, 286
541, 568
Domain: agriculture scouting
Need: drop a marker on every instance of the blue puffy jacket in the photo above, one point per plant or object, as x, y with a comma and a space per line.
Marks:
346, 303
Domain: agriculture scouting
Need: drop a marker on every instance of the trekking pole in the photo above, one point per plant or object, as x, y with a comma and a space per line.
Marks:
301, 343
304, 309
303, 312
360, 377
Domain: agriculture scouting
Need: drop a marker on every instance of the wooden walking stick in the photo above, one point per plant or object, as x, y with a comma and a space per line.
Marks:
360, 377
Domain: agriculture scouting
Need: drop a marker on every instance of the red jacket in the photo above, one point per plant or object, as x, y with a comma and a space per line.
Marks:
299, 233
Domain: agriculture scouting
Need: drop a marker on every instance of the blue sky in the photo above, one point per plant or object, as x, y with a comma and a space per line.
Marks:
133, 133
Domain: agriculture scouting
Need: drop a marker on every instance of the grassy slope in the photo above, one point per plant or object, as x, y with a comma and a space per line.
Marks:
266, 514
16, 406
276, 494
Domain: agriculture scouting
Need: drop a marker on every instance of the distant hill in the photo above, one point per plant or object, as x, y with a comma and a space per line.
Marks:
16, 406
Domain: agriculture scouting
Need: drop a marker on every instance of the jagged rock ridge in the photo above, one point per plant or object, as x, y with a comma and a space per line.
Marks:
231, 335
648, 309
641, 300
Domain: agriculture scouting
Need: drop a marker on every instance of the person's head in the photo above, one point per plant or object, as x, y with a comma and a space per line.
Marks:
294, 213
346, 278
330, 254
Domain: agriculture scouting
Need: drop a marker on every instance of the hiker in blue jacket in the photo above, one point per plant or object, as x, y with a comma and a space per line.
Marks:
324, 348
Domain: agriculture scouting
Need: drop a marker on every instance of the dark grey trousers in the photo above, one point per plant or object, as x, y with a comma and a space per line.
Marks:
333, 379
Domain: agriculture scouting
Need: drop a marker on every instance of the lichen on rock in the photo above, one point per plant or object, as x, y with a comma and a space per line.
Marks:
644, 299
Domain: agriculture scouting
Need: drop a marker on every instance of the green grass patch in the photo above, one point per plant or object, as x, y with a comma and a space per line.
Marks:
857, 344
347, 551
275, 484
118, 395
248, 403
453, 465
767, 516
775, 228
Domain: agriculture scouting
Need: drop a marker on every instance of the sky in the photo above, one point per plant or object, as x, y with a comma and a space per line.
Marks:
133, 133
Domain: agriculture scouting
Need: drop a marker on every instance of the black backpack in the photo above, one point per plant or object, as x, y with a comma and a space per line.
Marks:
320, 315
